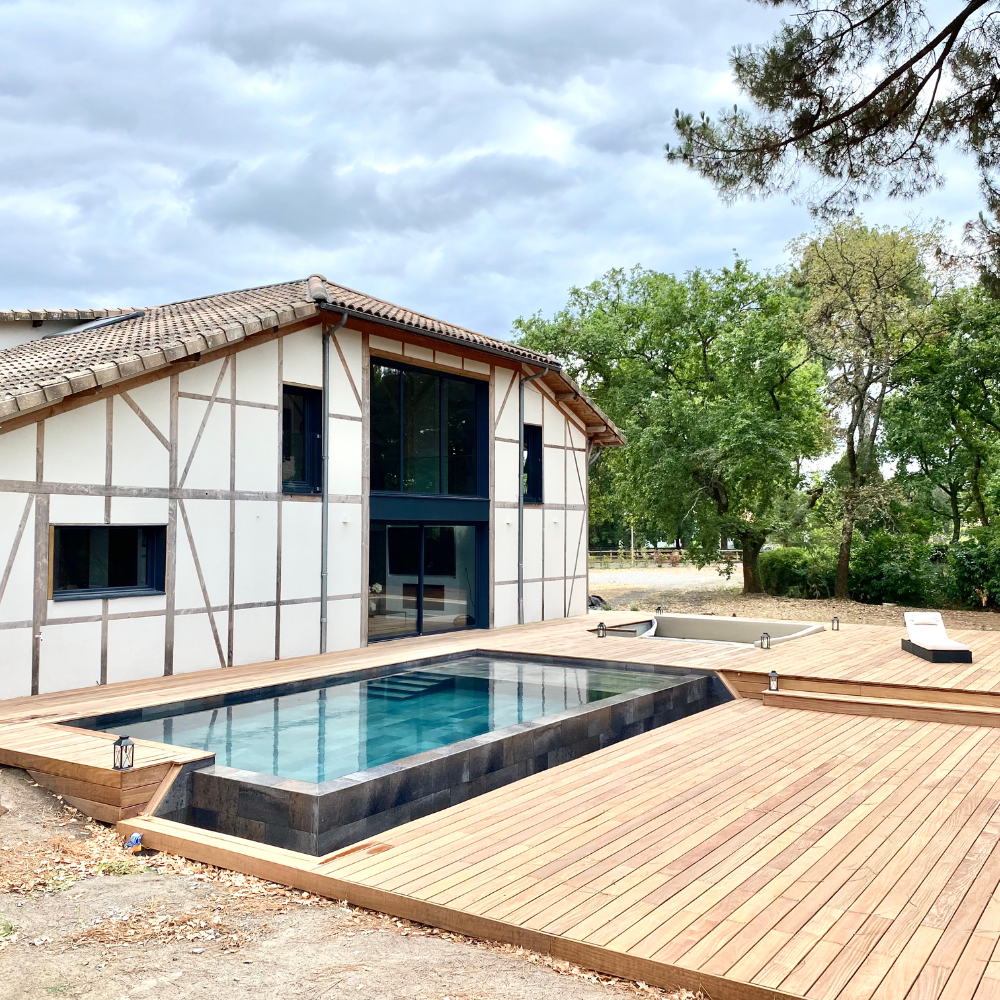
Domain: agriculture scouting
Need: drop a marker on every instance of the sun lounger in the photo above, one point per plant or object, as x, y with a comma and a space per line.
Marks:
928, 638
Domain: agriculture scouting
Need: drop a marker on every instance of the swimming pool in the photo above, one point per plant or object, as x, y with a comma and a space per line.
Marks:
347, 727
320, 764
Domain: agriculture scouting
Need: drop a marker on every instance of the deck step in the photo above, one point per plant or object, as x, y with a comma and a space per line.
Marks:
885, 708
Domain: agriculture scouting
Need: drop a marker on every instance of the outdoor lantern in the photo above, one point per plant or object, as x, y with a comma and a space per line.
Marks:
659, 609
835, 624
602, 630
765, 640
124, 750
772, 681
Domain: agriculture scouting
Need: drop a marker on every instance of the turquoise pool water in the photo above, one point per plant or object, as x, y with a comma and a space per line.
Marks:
343, 728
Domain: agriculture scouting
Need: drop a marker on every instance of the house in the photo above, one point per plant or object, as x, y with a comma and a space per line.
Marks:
171, 478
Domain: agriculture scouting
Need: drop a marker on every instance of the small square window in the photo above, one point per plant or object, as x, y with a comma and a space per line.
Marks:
301, 440
532, 468
108, 561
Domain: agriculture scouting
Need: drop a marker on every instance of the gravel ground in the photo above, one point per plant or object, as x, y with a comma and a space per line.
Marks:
664, 578
648, 588
152, 933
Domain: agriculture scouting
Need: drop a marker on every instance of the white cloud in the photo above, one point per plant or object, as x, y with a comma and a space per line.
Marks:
468, 160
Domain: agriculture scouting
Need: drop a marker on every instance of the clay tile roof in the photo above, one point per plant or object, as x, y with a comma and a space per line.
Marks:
44, 371
47, 315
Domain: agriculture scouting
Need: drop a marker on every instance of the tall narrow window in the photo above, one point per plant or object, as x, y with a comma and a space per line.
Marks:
459, 437
107, 561
532, 468
421, 433
301, 440
385, 427
425, 432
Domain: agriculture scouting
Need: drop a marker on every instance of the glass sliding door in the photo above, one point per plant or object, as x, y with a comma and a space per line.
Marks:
393, 579
449, 583
421, 578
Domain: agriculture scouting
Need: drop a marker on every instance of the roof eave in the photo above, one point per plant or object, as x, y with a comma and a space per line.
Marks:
52, 391
56, 390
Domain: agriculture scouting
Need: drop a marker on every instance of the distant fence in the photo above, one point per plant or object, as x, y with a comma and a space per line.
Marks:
608, 558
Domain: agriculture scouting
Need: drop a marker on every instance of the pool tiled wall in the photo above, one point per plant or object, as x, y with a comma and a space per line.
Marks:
320, 818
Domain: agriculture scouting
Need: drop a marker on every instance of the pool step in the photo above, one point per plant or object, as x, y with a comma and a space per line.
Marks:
885, 708
400, 687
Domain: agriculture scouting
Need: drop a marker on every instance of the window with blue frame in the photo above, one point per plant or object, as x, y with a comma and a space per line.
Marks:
108, 561
425, 432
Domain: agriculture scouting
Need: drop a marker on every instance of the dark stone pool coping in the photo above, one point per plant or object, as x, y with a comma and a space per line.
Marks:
319, 818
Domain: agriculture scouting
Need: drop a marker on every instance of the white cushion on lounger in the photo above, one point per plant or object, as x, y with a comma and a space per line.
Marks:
926, 629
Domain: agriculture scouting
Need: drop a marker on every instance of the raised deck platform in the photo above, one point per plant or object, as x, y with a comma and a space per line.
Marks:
753, 850
77, 764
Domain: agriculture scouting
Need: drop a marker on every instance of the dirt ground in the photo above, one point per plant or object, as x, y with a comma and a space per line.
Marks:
80, 919
685, 590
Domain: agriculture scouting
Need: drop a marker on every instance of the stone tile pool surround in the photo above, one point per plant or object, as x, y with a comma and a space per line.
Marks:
317, 818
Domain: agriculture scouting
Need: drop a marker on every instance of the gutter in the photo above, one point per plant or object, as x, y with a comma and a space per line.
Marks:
445, 338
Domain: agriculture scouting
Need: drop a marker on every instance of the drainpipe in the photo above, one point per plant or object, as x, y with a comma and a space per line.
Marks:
520, 493
325, 515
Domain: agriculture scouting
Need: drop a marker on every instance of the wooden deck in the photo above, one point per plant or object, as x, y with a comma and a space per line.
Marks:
839, 841
77, 764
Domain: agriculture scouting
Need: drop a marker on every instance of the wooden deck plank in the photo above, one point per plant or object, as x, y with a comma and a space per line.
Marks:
770, 851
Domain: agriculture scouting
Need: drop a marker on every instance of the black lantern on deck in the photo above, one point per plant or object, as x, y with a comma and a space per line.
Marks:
765, 640
124, 752
602, 630
835, 624
659, 609
772, 681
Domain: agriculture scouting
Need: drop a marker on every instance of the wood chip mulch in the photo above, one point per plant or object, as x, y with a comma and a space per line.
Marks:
96, 851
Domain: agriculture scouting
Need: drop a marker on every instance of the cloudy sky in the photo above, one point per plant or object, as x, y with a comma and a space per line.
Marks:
472, 161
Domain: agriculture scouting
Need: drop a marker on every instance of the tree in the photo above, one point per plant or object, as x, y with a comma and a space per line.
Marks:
922, 435
861, 95
945, 418
710, 378
868, 295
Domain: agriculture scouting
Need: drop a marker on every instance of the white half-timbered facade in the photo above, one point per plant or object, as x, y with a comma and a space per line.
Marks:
165, 477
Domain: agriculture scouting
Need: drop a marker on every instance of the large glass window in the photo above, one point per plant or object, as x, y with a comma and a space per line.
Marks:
301, 440
424, 430
421, 578
107, 561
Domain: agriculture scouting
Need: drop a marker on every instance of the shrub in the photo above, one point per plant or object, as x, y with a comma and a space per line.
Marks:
973, 572
888, 567
798, 572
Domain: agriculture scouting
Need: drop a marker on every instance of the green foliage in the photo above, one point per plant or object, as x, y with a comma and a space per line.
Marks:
942, 421
890, 567
728, 383
851, 91
974, 571
121, 866
799, 572
884, 567
710, 378
868, 313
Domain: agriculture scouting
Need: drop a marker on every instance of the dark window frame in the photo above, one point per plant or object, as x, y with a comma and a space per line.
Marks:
312, 432
481, 435
154, 584
532, 469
